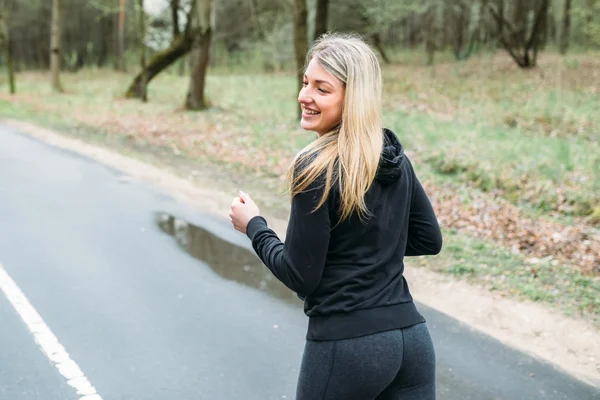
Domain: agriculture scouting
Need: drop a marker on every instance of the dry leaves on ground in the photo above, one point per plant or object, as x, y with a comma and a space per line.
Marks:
497, 220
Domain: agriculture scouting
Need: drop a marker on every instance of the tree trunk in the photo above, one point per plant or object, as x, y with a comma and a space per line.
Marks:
200, 56
55, 53
121, 37
481, 23
6, 50
538, 32
462, 34
522, 49
501, 21
412, 33
376, 38
175, 18
142, 44
566, 26
159, 62
176, 33
431, 34
106, 40
321, 18
162, 60
82, 40
300, 43
520, 12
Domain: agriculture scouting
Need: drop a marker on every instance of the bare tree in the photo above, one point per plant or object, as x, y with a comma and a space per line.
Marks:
142, 44
501, 19
300, 41
180, 46
431, 31
200, 55
175, 18
566, 27
6, 48
522, 47
175, 5
121, 37
321, 18
376, 40
55, 53
460, 15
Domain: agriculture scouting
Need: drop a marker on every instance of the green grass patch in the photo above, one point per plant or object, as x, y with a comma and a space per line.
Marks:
500, 270
551, 174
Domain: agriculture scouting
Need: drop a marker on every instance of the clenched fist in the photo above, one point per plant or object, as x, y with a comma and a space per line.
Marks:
243, 209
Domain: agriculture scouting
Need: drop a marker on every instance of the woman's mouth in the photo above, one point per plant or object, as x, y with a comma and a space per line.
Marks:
309, 113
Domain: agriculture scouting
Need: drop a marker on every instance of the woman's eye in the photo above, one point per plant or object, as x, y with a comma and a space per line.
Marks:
304, 83
322, 91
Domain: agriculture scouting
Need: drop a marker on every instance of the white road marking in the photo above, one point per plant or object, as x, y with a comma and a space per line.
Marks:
44, 337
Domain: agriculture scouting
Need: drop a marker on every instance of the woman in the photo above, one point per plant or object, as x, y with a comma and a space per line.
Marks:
357, 210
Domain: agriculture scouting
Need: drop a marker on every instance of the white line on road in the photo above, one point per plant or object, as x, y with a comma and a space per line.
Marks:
46, 339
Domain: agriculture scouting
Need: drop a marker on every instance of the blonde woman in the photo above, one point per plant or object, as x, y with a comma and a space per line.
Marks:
357, 210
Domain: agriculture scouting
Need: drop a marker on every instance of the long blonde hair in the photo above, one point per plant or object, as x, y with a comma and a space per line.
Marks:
349, 154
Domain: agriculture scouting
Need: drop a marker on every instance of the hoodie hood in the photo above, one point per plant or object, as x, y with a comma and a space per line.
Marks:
392, 156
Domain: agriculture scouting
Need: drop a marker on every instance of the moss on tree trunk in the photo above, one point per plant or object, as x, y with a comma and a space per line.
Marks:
159, 62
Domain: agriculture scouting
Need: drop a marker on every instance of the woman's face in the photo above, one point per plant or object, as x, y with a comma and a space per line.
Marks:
321, 99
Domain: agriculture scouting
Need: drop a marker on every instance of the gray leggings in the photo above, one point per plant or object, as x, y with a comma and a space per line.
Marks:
391, 365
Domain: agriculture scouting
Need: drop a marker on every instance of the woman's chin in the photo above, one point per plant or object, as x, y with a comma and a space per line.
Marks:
306, 125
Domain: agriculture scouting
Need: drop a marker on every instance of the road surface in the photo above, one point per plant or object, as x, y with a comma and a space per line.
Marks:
116, 291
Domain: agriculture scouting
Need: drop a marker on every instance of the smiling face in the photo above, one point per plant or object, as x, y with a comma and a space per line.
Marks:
321, 99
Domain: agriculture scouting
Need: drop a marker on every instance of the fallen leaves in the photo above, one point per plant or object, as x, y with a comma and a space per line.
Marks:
495, 219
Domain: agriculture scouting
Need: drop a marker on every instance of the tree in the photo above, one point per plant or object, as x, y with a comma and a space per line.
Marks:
592, 25
321, 17
180, 46
142, 44
55, 53
300, 42
177, 31
431, 20
523, 48
121, 37
566, 26
200, 55
6, 48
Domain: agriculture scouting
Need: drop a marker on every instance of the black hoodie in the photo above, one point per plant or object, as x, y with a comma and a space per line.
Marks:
351, 274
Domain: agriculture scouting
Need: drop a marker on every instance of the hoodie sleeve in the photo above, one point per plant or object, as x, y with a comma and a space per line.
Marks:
424, 234
298, 263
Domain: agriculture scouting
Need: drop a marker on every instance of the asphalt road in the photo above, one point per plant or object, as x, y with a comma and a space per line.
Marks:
153, 300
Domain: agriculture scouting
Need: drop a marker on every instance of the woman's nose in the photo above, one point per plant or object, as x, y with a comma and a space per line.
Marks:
303, 98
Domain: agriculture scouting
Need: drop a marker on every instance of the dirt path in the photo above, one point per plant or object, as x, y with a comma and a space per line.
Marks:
572, 344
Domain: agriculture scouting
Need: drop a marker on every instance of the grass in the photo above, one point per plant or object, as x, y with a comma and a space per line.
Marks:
531, 137
550, 173
533, 134
500, 270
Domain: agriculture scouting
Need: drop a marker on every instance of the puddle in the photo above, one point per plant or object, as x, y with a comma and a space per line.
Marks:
226, 259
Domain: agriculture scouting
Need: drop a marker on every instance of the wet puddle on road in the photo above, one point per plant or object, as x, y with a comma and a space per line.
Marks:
226, 259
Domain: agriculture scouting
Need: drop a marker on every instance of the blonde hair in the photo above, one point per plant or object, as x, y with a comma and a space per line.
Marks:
349, 154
